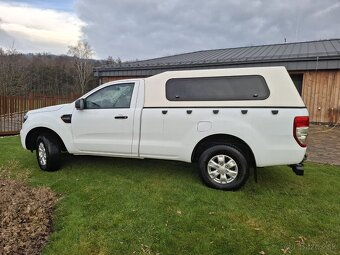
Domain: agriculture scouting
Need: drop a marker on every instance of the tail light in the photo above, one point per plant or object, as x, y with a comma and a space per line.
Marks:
300, 130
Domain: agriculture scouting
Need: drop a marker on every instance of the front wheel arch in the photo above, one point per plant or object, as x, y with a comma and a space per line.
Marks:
33, 135
48, 152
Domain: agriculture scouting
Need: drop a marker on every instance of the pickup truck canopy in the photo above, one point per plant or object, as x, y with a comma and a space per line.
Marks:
278, 89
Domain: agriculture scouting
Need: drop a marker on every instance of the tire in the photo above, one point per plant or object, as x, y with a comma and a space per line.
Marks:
224, 167
48, 152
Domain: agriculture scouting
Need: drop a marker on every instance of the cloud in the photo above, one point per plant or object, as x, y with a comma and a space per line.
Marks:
37, 30
133, 29
140, 29
329, 9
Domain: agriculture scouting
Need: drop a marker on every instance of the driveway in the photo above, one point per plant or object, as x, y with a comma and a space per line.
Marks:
324, 144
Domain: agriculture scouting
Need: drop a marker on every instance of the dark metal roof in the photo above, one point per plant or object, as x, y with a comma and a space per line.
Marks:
323, 54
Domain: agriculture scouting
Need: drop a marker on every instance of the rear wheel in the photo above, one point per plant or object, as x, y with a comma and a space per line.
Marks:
48, 152
224, 167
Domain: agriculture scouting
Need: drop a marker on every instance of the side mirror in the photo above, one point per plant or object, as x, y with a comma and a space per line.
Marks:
80, 104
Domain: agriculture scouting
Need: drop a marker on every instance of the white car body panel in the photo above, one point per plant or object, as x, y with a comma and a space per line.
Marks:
97, 130
47, 118
270, 139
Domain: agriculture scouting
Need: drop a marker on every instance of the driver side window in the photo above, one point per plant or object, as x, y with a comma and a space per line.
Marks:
114, 96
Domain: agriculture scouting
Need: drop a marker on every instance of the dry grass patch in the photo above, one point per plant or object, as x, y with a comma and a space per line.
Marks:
25, 214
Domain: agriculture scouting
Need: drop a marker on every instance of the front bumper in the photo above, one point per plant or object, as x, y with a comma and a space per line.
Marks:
22, 139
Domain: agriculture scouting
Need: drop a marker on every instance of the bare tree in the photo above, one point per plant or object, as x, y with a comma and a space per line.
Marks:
12, 50
82, 54
12, 72
109, 60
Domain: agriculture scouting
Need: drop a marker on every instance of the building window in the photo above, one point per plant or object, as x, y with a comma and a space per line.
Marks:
247, 87
298, 81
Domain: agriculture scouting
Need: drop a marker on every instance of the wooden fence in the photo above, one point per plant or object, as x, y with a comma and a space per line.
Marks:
13, 109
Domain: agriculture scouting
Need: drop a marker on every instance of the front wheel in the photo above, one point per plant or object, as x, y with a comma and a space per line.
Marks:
48, 152
224, 167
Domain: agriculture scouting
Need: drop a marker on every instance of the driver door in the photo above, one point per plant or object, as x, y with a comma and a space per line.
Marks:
105, 125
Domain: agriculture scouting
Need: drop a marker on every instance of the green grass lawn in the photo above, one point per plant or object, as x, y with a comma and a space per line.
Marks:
129, 206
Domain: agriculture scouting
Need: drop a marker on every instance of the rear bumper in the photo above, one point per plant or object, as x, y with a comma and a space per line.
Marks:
298, 169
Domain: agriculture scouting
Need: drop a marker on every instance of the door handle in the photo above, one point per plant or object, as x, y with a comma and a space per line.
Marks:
121, 117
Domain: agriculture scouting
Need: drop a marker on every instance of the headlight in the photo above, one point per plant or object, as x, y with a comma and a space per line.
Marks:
25, 118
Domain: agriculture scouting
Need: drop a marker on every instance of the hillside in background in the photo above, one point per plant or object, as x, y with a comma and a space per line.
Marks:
46, 74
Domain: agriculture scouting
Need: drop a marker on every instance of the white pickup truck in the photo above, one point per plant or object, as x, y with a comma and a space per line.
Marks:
227, 120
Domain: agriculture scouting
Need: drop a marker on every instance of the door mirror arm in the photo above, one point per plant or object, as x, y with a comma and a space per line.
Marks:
80, 104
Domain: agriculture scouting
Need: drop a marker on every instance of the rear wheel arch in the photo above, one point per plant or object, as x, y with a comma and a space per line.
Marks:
32, 136
223, 139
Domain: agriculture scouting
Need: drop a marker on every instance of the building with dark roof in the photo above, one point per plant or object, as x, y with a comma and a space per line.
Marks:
314, 67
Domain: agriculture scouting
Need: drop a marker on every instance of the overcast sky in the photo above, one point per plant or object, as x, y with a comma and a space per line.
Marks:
141, 29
